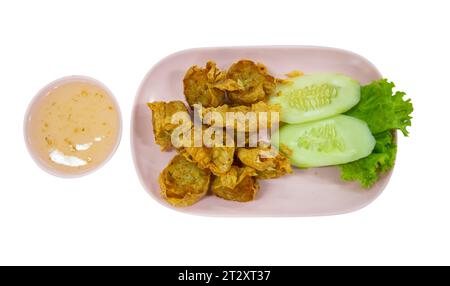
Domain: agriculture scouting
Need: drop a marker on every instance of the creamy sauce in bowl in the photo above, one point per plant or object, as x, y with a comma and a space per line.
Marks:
72, 126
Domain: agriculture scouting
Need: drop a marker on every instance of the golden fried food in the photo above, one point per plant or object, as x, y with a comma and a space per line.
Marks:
215, 156
272, 115
288, 81
216, 159
238, 184
285, 150
183, 183
248, 83
267, 161
200, 85
221, 159
162, 113
294, 73
212, 155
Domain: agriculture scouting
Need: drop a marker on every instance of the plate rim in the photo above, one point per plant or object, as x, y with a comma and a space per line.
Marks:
185, 210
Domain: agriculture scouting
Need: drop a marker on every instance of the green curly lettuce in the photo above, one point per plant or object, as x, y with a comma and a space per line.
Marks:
368, 169
382, 109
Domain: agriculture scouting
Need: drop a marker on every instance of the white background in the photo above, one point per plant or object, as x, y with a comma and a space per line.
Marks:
108, 218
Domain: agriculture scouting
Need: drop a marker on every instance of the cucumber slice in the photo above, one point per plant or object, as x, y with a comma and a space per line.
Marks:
332, 141
316, 96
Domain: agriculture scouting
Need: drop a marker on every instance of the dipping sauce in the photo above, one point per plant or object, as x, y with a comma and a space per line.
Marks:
73, 126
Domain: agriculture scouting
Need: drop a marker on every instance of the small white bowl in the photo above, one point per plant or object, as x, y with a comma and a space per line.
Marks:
32, 107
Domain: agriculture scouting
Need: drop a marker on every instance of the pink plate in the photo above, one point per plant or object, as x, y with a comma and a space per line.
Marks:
313, 192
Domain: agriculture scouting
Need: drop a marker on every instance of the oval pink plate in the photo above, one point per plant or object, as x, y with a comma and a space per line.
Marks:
312, 192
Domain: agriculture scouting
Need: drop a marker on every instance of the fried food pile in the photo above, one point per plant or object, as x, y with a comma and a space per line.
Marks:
230, 171
245, 83
162, 121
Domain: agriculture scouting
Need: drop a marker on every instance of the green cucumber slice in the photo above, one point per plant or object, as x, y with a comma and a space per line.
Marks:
332, 141
316, 96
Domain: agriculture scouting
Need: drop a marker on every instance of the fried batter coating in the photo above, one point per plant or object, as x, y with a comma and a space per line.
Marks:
267, 161
288, 81
248, 83
221, 159
182, 183
285, 150
238, 184
161, 119
216, 159
272, 112
294, 73
215, 156
200, 85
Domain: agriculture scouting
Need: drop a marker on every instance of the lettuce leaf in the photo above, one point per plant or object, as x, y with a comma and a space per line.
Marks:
385, 112
382, 109
368, 170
